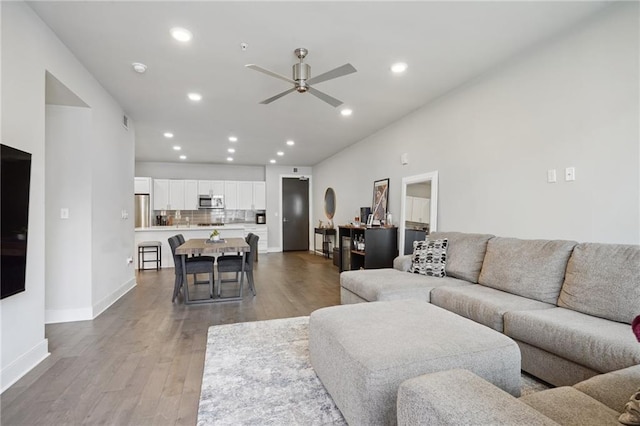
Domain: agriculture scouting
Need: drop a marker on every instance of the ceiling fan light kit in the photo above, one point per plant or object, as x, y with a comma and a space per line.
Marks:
302, 79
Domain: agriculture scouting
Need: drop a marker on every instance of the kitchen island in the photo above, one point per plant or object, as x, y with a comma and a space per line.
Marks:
163, 233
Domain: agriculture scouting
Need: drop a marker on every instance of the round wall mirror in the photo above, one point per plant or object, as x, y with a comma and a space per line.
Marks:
329, 203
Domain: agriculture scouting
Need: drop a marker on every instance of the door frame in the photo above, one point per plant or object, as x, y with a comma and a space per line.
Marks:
310, 230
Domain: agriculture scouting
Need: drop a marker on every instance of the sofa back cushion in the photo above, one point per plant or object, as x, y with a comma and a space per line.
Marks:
603, 280
465, 253
528, 268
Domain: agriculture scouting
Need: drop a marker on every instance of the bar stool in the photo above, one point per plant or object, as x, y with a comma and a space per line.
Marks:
149, 247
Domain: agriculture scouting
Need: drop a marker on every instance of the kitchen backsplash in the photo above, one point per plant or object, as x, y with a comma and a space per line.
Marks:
194, 217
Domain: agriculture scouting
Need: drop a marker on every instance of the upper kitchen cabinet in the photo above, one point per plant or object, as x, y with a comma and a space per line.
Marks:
230, 195
191, 195
176, 194
142, 185
245, 195
259, 196
161, 194
211, 187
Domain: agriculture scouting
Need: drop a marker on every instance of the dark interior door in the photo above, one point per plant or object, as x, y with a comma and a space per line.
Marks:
295, 214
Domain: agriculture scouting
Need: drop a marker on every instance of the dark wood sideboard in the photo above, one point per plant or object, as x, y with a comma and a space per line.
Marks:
381, 247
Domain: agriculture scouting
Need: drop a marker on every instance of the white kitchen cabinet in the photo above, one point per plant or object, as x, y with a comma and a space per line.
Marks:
420, 211
217, 187
259, 196
176, 194
160, 194
142, 185
245, 195
230, 195
408, 209
191, 195
263, 234
204, 187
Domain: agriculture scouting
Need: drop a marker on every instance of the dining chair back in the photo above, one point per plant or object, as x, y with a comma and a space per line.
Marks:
234, 264
194, 265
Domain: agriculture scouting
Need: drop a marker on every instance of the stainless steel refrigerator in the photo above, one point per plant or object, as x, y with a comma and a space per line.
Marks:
143, 210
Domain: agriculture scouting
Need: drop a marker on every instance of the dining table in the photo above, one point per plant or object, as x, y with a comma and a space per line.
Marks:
204, 246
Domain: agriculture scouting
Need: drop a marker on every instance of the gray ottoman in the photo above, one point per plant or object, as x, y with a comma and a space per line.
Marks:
363, 352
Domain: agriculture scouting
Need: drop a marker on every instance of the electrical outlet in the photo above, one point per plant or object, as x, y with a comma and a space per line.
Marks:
551, 176
570, 174
64, 213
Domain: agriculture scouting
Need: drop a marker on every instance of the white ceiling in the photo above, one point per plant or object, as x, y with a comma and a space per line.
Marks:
445, 44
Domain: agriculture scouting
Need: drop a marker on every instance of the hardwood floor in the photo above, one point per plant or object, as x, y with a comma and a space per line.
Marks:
141, 361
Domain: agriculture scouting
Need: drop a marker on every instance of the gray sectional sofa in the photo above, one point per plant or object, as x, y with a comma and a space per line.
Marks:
459, 397
567, 305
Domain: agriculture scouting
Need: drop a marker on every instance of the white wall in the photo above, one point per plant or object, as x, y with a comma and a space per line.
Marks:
571, 102
273, 178
199, 171
29, 49
67, 241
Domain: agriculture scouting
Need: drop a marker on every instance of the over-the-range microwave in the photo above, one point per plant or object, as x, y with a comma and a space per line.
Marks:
211, 201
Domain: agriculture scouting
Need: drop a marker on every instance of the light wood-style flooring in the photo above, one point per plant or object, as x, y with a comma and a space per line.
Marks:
141, 361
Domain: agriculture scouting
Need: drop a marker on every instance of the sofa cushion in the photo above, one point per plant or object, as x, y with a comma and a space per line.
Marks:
391, 284
569, 406
597, 343
603, 280
612, 389
528, 268
464, 254
483, 304
429, 258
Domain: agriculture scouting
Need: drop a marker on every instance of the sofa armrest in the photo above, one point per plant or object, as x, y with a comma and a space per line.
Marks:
459, 397
402, 263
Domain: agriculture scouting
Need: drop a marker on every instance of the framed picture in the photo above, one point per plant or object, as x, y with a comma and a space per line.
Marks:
380, 199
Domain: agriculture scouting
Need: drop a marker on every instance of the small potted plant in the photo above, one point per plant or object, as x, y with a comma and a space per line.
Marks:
215, 235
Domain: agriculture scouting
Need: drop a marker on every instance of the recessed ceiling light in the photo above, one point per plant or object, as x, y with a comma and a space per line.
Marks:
290, 143
231, 150
233, 139
195, 96
280, 153
272, 161
399, 67
168, 135
177, 148
138, 67
346, 112
183, 157
229, 158
181, 34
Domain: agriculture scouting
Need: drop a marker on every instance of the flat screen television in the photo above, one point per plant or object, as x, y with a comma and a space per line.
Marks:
15, 179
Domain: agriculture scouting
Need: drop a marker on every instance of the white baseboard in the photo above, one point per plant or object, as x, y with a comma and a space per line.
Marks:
102, 305
25, 363
53, 316
275, 249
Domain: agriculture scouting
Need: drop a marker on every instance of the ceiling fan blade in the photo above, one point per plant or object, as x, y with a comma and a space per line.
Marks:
271, 73
278, 96
328, 99
334, 73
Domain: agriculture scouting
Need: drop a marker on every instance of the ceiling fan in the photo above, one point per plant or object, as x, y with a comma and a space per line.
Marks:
301, 79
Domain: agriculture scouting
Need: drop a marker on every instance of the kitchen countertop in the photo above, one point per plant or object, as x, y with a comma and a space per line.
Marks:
196, 227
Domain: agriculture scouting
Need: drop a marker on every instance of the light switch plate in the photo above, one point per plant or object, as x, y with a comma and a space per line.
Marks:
570, 174
64, 213
551, 176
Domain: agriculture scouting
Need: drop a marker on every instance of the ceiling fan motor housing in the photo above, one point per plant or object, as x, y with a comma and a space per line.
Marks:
301, 73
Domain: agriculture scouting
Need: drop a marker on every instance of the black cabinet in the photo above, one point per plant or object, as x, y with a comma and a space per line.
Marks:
380, 247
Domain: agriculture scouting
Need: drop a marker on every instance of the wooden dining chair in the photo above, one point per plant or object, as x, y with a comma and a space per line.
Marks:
233, 263
194, 265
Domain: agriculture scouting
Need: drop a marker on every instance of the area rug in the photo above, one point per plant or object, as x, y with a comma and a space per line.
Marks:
259, 373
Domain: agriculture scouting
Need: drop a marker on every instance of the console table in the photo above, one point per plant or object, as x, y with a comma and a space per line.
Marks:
325, 232
381, 247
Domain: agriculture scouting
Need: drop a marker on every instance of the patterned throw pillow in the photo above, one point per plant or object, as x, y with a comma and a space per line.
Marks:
429, 257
